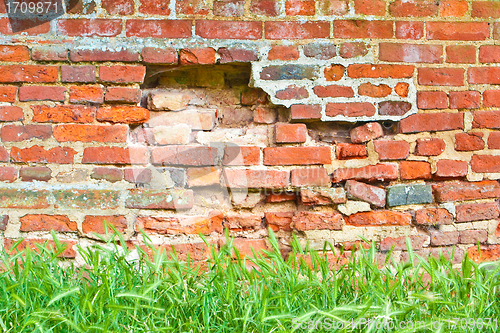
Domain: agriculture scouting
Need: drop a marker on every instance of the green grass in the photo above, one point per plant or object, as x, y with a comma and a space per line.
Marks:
41, 293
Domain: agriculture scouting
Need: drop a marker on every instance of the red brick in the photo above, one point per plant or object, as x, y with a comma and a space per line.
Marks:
283, 52
123, 114
350, 109
90, 133
8, 94
362, 29
96, 223
333, 7
347, 151
4, 155
279, 220
361, 191
432, 100
352, 50
236, 55
305, 112
409, 30
137, 175
292, 92
229, 29
469, 141
298, 7
191, 7
290, 133
310, 177
393, 108
264, 115
123, 95
486, 252
401, 89
264, 7
494, 140
119, 7
391, 150
458, 30
296, 30
14, 53
380, 71
369, 89
304, 221
41, 93
453, 8
461, 191
297, 155
433, 216
429, 147
381, 172
430, 122
399, 244
485, 163
115, 155
450, 169
68, 246
485, 9
247, 247
241, 155
229, 8
122, 74
333, 91
28, 73
19, 133
205, 56
158, 28
63, 114
489, 54
242, 221
334, 72
477, 211
59, 223
444, 238
369, 7
420, 53
403, 8
155, 7
238, 178
29, 174
103, 55
253, 96
8, 174
465, 99
491, 98
486, 119
89, 27
411, 170
109, 174
281, 197
180, 224
86, 199
379, 218
154, 55
461, 54
366, 132
78, 73
441, 76
11, 113
185, 155
473, 236
37, 154
86, 94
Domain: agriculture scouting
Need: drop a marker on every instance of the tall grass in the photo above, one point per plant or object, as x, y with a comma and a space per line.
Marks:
112, 293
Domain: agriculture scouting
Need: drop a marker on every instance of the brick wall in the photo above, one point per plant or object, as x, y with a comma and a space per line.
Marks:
331, 120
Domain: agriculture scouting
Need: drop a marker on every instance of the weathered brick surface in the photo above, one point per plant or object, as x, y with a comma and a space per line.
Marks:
139, 114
